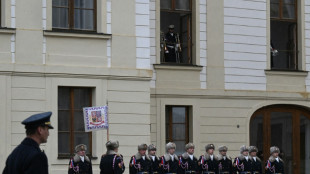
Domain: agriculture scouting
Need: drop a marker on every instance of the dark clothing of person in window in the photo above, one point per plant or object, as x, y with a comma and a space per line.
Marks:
172, 52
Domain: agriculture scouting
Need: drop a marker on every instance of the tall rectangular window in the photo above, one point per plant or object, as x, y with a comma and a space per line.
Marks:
175, 31
177, 126
74, 15
283, 25
71, 131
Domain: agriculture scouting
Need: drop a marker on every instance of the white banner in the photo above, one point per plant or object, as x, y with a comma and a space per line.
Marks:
95, 118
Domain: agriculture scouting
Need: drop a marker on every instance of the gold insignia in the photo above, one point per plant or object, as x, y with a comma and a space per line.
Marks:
120, 165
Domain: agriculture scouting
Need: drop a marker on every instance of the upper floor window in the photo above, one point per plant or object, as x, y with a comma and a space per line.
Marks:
71, 130
74, 14
283, 26
175, 31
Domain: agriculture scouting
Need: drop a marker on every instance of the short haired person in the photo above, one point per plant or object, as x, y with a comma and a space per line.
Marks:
225, 162
80, 163
28, 157
243, 163
188, 162
140, 163
256, 161
208, 161
170, 161
155, 160
111, 161
274, 164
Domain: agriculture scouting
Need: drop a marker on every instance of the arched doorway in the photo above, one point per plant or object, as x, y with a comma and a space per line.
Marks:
285, 126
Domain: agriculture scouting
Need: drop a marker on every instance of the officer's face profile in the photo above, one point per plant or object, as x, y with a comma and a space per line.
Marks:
171, 151
223, 152
190, 150
275, 154
210, 151
81, 153
43, 133
253, 153
152, 152
116, 150
142, 152
245, 153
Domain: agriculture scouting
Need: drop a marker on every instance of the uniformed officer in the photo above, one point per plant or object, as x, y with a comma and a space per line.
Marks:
209, 162
112, 162
155, 160
256, 161
28, 157
274, 165
171, 39
170, 161
188, 162
225, 162
243, 163
80, 163
140, 163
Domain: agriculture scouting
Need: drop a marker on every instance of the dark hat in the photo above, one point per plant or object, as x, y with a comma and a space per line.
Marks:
80, 147
41, 119
223, 148
151, 147
253, 149
209, 146
142, 147
112, 145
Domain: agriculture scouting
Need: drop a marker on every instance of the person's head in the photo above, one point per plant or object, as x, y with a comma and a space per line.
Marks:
253, 151
274, 151
190, 148
81, 149
171, 28
244, 150
170, 147
151, 149
142, 149
37, 126
112, 145
210, 149
223, 150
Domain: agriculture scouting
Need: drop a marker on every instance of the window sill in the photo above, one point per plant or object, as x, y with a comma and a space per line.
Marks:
77, 34
185, 67
7, 30
287, 73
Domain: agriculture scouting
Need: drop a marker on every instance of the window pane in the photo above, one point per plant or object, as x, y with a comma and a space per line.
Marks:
256, 134
79, 121
165, 4
182, 5
63, 143
63, 98
274, 10
289, 11
63, 3
178, 114
81, 138
304, 145
274, 1
81, 98
84, 3
289, 1
178, 132
180, 147
60, 17
84, 19
64, 120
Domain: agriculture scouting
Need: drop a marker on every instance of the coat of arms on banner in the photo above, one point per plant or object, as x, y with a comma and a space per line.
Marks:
95, 118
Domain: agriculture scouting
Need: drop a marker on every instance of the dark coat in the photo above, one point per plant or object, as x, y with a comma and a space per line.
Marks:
206, 164
275, 166
187, 164
169, 166
225, 165
244, 165
155, 165
137, 164
112, 163
77, 166
257, 165
26, 158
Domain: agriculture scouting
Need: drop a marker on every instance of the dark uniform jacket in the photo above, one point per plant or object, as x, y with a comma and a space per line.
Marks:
171, 43
242, 165
225, 165
187, 164
155, 165
137, 164
27, 158
77, 166
208, 165
169, 166
112, 163
257, 165
273, 166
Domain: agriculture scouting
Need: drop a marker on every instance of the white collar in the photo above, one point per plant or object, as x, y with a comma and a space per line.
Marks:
254, 158
172, 157
191, 156
247, 157
224, 157
277, 159
82, 158
143, 157
153, 158
211, 156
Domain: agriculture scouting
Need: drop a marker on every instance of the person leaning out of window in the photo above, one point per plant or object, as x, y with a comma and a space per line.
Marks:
80, 163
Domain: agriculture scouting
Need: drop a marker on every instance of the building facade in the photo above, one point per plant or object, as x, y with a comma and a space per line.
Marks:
241, 77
